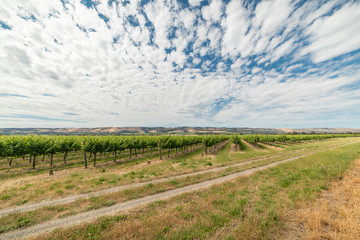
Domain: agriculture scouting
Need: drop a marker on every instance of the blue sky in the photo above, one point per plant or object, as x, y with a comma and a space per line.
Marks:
270, 63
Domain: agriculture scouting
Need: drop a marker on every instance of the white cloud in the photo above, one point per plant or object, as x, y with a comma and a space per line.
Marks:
235, 25
334, 35
95, 68
213, 12
271, 15
195, 3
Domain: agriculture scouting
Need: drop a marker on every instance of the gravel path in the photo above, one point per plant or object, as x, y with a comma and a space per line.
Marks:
92, 215
48, 203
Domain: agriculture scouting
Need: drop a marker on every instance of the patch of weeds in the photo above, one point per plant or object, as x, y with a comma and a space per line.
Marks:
92, 232
166, 229
293, 196
106, 223
109, 203
5, 229
150, 185
112, 181
218, 203
187, 216
21, 202
74, 175
173, 182
218, 220
158, 203
244, 192
5, 197
179, 208
102, 170
103, 179
55, 185
68, 181
93, 206
69, 186
61, 209
72, 213
141, 176
120, 218
324, 187
100, 180
273, 215
94, 199
22, 221
26, 186
208, 164
59, 192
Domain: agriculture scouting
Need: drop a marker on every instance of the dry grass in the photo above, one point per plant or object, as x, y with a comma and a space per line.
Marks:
247, 208
11, 222
76, 181
335, 215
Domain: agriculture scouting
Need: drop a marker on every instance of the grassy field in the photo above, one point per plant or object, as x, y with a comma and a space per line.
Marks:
248, 208
252, 207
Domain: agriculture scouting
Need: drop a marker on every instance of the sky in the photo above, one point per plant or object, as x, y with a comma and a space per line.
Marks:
100, 63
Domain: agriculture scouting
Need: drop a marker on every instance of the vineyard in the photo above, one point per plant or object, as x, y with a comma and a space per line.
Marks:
33, 148
40, 148
99, 176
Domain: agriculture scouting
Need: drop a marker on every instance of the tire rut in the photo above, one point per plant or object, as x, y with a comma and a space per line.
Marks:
49, 203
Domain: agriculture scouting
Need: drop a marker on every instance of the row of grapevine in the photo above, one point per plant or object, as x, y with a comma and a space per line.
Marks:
13, 147
255, 139
213, 140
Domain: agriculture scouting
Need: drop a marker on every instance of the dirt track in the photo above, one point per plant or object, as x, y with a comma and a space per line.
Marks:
47, 203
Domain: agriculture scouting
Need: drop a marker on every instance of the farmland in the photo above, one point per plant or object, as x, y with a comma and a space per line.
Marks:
155, 187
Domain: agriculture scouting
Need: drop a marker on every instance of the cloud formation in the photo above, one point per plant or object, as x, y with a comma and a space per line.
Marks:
270, 63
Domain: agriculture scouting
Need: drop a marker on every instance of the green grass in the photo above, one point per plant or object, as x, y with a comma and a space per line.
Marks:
250, 207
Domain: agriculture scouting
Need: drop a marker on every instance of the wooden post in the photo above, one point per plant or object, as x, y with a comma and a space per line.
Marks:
51, 156
160, 149
85, 160
34, 162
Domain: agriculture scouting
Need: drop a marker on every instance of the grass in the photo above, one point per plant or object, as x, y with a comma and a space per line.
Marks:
251, 207
78, 180
86, 180
333, 215
113, 198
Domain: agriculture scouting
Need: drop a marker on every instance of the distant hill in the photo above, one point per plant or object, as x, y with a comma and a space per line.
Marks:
321, 130
163, 130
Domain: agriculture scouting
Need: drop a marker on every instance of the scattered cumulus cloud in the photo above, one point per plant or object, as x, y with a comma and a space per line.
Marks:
270, 63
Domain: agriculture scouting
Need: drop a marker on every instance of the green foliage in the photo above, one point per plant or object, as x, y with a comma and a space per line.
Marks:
18, 146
